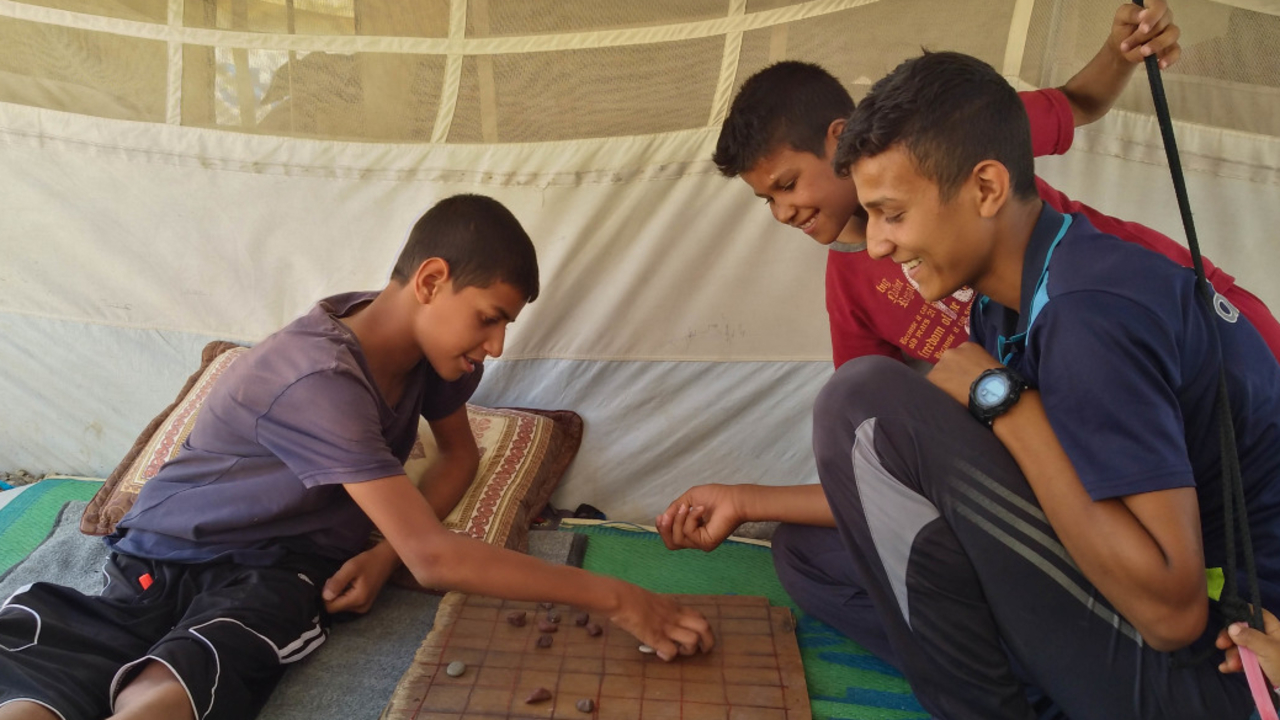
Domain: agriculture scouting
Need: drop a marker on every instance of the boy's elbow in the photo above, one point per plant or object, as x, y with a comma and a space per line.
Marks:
429, 565
1176, 628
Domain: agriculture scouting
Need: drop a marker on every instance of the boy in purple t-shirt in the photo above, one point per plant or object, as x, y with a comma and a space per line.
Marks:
223, 569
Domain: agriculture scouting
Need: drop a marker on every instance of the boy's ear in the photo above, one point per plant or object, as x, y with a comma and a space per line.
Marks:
430, 279
991, 185
833, 137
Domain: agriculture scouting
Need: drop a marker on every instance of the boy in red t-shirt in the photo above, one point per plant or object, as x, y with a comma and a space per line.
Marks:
779, 138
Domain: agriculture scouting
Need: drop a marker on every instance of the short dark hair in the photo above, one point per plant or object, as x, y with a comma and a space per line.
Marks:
788, 102
479, 238
949, 111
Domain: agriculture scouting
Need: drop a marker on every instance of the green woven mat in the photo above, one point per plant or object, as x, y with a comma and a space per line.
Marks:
28, 519
845, 681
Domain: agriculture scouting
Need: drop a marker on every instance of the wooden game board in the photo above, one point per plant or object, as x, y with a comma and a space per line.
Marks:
754, 672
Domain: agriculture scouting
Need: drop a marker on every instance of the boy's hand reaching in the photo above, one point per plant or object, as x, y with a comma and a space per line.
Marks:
1138, 32
701, 518
662, 623
357, 583
1265, 645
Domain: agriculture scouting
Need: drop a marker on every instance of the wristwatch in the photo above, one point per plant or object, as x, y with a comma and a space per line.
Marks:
994, 392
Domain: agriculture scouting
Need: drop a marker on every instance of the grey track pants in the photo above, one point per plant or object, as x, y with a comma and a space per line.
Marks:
970, 582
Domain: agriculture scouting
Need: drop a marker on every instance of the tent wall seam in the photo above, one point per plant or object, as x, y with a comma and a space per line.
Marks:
508, 357
1215, 151
614, 160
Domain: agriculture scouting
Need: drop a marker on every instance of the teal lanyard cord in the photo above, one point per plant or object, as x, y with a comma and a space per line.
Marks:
1006, 347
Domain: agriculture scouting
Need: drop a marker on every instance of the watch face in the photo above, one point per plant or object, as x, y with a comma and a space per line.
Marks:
991, 391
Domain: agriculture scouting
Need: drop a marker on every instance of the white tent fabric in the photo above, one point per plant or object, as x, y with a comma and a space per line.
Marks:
179, 171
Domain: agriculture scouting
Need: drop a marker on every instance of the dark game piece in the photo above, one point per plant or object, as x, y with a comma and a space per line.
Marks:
546, 605
544, 641
540, 695
594, 629
553, 616
581, 619
516, 618
547, 626
585, 705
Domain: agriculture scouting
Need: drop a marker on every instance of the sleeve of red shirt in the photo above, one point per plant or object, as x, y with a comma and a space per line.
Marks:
1053, 126
851, 336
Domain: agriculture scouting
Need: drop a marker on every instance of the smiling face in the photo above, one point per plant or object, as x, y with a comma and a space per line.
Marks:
459, 329
803, 191
940, 244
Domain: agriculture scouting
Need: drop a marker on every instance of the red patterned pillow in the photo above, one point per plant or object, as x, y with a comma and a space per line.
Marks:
158, 443
523, 453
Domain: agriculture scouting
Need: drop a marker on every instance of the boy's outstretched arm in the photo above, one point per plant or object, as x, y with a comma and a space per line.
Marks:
1143, 552
705, 515
359, 581
1135, 33
445, 560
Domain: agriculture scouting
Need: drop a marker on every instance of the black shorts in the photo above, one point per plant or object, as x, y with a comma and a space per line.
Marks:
226, 631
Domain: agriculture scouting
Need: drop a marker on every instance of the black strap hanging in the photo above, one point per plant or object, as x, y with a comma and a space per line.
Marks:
1235, 517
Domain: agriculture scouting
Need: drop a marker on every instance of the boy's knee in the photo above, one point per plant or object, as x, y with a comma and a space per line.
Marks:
787, 548
155, 691
862, 388
798, 551
795, 564
811, 556
862, 384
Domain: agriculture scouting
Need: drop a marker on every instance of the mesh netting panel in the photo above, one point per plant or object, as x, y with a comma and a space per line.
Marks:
1229, 74
579, 94
304, 17
420, 18
141, 10
862, 44
363, 96
523, 17
538, 70
82, 71
754, 6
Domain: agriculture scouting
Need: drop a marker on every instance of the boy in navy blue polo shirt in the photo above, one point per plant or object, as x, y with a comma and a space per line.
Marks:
1041, 509
223, 570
